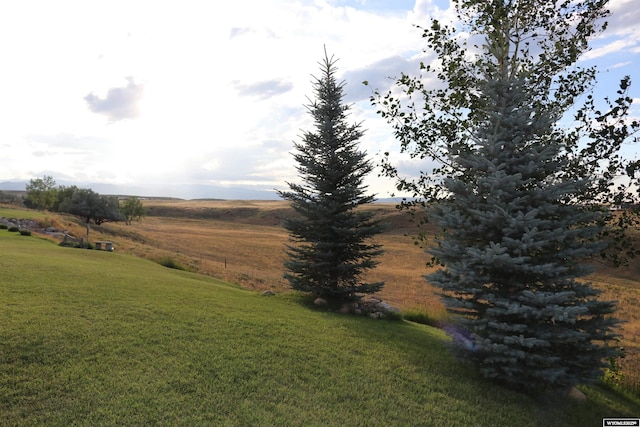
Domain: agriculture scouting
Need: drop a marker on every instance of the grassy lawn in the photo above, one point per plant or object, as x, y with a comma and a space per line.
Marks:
243, 242
95, 338
6, 212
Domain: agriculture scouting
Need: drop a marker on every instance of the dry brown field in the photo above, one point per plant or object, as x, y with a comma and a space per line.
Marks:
243, 242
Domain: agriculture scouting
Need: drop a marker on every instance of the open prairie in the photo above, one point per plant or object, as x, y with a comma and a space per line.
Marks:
244, 242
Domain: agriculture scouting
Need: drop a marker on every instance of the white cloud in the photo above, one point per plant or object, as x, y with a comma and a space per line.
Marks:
119, 103
622, 34
624, 18
609, 48
263, 89
621, 64
379, 75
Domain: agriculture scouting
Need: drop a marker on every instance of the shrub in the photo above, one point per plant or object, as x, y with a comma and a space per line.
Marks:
424, 317
14, 229
75, 244
3, 226
172, 263
69, 244
25, 233
10, 199
45, 223
393, 315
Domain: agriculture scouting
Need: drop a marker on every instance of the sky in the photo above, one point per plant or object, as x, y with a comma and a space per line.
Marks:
162, 96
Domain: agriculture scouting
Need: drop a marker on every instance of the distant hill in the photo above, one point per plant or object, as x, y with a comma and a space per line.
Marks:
180, 191
12, 186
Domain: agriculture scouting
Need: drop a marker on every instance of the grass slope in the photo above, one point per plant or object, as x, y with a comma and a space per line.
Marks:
97, 338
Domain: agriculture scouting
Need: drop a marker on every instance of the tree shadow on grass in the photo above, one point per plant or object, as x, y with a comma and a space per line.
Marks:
427, 362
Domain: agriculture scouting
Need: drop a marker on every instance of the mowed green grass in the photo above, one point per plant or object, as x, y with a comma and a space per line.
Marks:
95, 338
21, 213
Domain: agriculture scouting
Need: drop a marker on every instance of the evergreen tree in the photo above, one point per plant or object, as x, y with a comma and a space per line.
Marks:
331, 237
539, 41
513, 251
518, 196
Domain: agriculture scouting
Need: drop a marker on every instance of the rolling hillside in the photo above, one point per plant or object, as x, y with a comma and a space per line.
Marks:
98, 338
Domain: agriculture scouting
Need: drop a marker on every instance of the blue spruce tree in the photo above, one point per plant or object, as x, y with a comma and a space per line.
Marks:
522, 199
514, 251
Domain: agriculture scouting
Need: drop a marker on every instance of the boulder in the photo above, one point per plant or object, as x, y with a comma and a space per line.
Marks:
387, 308
320, 302
576, 394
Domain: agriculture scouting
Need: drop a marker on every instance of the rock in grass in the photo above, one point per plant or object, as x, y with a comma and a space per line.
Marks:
576, 394
387, 308
345, 309
320, 302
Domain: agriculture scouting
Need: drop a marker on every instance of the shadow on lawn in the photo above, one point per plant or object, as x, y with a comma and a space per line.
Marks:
425, 351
